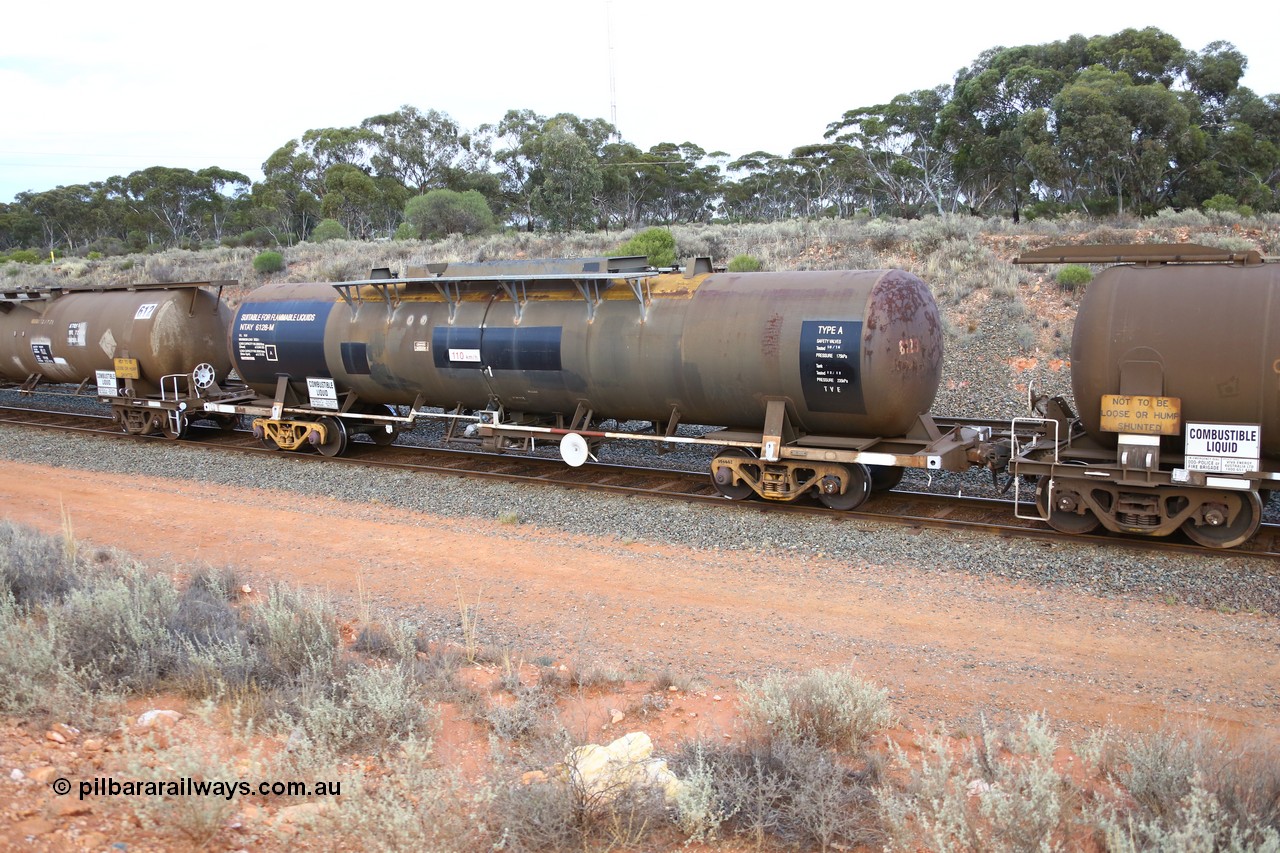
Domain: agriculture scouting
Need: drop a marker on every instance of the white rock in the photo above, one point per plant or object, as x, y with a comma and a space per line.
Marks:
606, 771
158, 717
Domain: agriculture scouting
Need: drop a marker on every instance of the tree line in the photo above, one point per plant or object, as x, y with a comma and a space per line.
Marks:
1127, 123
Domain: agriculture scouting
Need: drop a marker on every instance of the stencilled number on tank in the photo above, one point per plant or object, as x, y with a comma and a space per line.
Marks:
908, 346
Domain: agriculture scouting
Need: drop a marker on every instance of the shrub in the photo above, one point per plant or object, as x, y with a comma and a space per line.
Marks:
33, 677
370, 707
824, 708
34, 568
198, 820
1223, 203
329, 229
529, 710
442, 212
1074, 277
295, 634
257, 237
1167, 217
268, 262
798, 793
24, 256
1003, 794
405, 231
744, 263
413, 807
656, 244
116, 631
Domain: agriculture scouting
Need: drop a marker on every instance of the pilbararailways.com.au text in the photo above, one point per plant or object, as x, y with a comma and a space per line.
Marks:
107, 786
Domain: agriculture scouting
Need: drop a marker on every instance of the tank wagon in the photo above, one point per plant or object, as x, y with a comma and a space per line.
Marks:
155, 352
819, 382
1175, 365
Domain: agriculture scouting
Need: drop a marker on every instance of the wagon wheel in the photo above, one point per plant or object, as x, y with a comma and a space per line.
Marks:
335, 443
1063, 516
379, 433
857, 487
885, 477
1228, 535
722, 475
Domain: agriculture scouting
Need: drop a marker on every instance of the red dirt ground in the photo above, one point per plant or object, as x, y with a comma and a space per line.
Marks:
947, 646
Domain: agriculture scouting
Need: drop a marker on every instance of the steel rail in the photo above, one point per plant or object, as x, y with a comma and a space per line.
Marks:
919, 510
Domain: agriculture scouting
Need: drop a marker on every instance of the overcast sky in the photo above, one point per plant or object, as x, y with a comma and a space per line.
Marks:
94, 89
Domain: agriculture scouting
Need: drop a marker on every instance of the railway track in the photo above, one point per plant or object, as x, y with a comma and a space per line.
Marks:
898, 507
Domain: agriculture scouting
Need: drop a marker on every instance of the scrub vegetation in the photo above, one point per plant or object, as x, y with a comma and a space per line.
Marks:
284, 691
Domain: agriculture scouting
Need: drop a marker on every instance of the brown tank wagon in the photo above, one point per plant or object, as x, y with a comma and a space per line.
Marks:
811, 376
155, 351
1175, 363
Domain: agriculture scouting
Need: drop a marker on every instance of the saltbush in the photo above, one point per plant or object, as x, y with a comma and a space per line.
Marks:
825, 708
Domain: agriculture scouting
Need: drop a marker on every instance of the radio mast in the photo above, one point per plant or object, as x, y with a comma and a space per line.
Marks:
613, 86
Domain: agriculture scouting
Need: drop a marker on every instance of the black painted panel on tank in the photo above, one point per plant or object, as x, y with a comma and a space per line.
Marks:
498, 348
521, 348
830, 359
456, 347
272, 338
355, 358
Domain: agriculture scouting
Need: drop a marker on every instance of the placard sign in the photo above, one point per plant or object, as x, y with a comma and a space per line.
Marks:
107, 386
323, 393
127, 368
1140, 415
1223, 448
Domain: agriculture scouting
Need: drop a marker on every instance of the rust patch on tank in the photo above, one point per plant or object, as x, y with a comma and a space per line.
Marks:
903, 322
770, 339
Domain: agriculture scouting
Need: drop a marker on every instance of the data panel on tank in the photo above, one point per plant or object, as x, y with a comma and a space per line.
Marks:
829, 365
281, 337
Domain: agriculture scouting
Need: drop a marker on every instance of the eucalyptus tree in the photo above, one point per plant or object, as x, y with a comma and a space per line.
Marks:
420, 150
904, 148
687, 183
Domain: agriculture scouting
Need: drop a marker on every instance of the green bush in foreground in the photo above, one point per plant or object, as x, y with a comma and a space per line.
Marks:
744, 263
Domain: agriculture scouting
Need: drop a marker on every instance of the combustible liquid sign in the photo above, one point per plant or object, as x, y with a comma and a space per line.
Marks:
1141, 415
1223, 448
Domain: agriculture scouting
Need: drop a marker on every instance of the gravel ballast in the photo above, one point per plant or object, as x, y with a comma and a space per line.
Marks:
1227, 582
